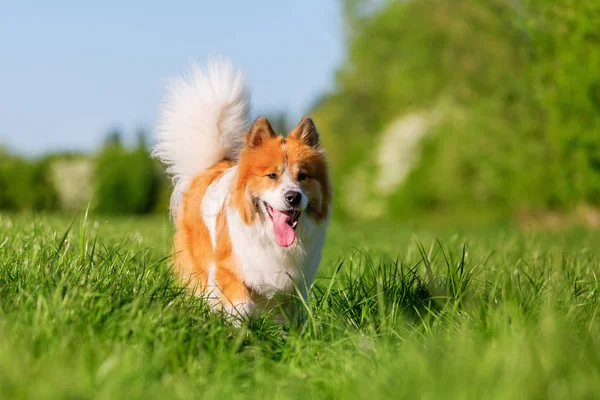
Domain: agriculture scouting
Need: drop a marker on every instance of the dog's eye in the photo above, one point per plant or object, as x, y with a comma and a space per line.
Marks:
273, 176
302, 176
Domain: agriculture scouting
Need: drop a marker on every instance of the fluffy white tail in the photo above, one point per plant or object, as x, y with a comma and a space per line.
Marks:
201, 122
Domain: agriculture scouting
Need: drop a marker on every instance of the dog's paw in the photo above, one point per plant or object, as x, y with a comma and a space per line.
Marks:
237, 313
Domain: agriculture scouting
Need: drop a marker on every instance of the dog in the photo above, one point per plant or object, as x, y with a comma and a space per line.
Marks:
250, 207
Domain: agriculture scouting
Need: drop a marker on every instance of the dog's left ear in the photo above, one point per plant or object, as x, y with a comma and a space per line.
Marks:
306, 132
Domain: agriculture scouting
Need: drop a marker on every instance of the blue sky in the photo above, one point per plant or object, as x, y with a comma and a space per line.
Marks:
70, 71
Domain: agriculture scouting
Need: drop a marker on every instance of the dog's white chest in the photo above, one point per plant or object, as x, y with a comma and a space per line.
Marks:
267, 267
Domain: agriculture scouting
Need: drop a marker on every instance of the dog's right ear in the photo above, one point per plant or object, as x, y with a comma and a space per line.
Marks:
260, 131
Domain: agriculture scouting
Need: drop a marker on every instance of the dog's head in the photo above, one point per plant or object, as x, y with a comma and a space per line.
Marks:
282, 180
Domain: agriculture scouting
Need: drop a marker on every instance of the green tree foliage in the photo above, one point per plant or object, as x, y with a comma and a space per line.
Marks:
513, 88
123, 180
126, 181
564, 70
26, 185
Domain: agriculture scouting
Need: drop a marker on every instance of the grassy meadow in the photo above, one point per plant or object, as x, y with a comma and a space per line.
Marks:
468, 113
397, 311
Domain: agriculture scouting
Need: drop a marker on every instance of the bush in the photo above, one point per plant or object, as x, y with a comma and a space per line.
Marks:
511, 96
45, 194
126, 181
26, 185
122, 181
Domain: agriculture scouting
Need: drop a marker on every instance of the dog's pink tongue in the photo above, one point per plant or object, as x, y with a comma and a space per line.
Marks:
284, 233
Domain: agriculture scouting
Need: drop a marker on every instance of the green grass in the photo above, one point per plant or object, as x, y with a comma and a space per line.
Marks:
396, 312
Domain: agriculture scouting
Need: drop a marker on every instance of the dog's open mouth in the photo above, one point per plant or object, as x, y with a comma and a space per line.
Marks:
284, 224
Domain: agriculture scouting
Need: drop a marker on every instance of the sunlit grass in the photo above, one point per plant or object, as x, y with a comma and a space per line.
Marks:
396, 312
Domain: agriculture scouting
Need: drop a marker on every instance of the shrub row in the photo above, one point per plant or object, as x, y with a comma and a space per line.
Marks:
26, 185
117, 180
512, 91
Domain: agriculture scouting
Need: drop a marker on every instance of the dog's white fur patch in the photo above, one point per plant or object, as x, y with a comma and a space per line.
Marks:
201, 122
212, 203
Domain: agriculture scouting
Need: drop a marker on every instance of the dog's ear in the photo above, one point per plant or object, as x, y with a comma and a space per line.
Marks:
306, 132
260, 131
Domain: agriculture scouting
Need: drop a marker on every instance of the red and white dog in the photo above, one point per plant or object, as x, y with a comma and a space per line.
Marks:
251, 207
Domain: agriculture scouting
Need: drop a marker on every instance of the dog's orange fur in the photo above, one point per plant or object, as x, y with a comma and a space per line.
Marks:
192, 243
227, 276
265, 152
310, 161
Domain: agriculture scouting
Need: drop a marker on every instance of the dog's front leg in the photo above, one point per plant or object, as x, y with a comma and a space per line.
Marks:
234, 295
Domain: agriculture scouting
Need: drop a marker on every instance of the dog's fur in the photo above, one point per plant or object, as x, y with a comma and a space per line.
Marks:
239, 240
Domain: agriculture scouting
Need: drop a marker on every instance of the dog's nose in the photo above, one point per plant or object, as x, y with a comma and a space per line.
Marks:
293, 198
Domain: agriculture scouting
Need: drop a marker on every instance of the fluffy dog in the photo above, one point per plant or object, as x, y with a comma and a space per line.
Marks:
251, 207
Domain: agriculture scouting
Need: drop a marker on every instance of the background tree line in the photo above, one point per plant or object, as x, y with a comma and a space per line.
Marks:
118, 179
507, 92
441, 105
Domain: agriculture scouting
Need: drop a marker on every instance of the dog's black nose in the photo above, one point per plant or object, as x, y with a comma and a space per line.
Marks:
293, 198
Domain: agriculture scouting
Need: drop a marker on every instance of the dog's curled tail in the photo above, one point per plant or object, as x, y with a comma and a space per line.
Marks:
201, 122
